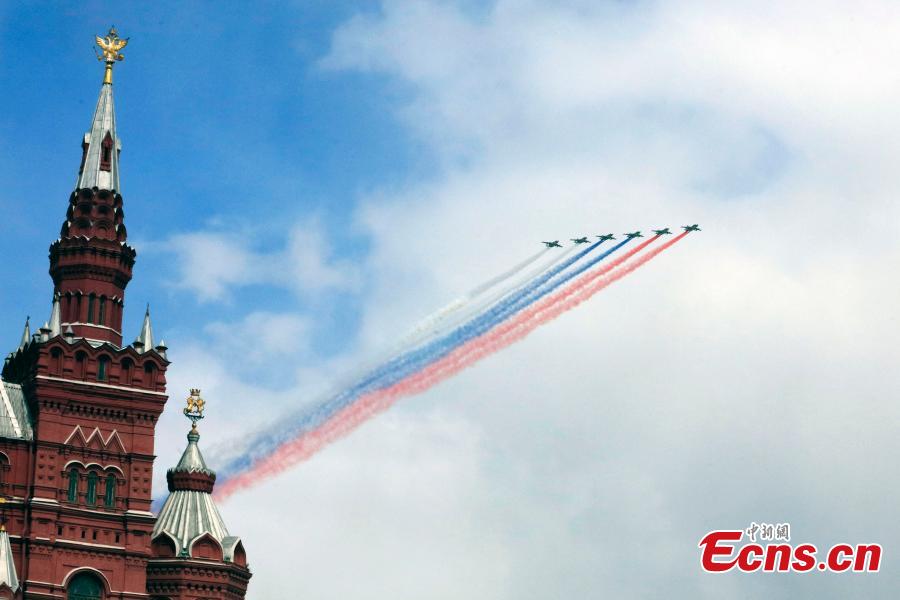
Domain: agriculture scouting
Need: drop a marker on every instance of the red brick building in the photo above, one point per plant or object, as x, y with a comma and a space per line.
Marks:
78, 412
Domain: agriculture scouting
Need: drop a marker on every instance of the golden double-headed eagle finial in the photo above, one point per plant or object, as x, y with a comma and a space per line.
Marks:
111, 46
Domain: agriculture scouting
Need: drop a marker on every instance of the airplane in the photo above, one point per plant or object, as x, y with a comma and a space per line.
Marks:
553, 244
608, 236
581, 240
693, 227
631, 236
664, 231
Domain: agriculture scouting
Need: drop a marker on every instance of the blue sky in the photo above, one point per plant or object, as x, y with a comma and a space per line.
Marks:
305, 181
227, 120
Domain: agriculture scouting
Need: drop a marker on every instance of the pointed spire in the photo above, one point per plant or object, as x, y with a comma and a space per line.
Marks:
161, 349
26, 334
144, 340
101, 145
55, 318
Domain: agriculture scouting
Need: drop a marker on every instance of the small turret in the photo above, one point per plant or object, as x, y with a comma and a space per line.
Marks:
26, 334
189, 527
55, 317
144, 340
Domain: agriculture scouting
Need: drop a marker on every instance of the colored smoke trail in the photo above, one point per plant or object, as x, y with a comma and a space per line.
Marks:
405, 364
461, 358
428, 325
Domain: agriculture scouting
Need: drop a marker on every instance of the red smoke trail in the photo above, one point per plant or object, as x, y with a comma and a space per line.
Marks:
491, 342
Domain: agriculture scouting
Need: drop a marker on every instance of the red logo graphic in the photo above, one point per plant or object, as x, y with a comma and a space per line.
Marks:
721, 552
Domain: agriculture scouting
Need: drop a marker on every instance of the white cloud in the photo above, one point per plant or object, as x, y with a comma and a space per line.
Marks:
747, 374
212, 263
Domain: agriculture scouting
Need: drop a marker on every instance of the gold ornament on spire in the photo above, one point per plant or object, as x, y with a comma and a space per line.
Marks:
111, 46
194, 409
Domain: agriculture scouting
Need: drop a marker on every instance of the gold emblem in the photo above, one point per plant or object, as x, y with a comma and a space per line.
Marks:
194, 408
111, 45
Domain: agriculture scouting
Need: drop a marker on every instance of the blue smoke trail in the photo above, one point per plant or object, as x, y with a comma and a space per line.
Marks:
414, 360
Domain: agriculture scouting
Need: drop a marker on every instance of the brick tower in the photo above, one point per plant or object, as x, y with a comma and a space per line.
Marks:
78, 409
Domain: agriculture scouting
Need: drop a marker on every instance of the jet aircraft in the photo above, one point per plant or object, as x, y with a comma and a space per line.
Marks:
581, 240
693, 227
553, 244
631, 236
664, 231
606, 237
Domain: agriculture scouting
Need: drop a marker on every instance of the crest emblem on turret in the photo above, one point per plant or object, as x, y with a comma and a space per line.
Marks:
194, 408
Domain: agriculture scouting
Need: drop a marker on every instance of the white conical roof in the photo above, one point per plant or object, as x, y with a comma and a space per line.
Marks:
97, 172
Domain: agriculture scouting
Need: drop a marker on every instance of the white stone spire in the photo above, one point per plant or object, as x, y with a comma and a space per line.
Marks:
101, 146
8, 575
26, 334
144, 340
55, 323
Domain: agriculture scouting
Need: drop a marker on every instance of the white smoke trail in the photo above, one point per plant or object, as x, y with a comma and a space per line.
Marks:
476, 302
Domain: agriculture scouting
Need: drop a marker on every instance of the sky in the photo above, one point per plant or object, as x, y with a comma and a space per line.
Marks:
304, 181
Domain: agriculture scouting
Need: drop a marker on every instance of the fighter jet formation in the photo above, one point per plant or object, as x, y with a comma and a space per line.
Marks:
634, 234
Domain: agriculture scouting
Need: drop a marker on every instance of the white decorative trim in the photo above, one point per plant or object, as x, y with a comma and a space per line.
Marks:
39, 500
71, 435
104, 443
79, 324
101, 385
115, 434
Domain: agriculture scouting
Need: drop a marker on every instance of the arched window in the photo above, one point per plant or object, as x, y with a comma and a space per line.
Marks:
106, 152
56, 361
90, 313
109, 498
150, 375
103, 368
4, 467
80, 360
101, 318
72, 496
127, 371
91, 496
84, 586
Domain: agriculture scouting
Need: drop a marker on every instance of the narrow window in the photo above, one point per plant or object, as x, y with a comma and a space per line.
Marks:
73, 486
56, 361
90, 313
101, 319
106, 153
125, 377
102, 368
80, 359
91, 496
149, 375
110, 496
